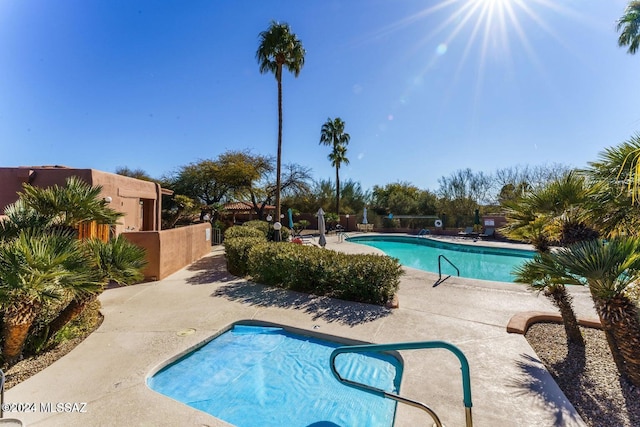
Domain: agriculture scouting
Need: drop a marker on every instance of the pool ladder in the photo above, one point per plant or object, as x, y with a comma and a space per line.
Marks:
366, 348
342, 236
440, 280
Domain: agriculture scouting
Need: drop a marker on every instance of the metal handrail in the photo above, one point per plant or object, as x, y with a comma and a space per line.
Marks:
2, 380
341, 236
464, 366
440, 270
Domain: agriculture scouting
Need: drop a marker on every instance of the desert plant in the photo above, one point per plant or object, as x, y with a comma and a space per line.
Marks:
609, 269
117, 260
35, 267
544, 274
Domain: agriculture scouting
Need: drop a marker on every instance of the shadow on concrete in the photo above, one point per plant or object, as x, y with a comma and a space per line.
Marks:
210, 269
535, 380
327, 309
594, 406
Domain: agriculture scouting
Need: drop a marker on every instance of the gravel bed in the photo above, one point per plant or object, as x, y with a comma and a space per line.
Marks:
30, 366
590, 382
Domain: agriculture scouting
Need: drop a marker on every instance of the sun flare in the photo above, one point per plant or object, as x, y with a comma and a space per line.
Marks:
478, 33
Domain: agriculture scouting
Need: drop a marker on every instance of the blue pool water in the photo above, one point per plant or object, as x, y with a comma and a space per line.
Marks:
265, 376
476, 262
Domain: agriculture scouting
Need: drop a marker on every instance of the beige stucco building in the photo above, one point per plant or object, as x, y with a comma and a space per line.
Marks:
140, 201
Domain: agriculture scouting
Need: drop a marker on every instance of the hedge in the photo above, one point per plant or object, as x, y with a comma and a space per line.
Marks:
237, 252
233, 232
364, 278
267, 229
263, 226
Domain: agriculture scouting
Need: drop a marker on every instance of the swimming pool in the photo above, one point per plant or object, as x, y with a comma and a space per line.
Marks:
268, 376
475, 262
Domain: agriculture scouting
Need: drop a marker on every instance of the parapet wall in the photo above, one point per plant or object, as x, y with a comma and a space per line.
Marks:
170, 250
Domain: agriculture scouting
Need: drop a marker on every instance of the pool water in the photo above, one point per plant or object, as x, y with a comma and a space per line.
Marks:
475, 262
266, 376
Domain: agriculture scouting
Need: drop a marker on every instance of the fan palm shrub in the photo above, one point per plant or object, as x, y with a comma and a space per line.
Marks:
553, 214
35, 267
544, 274
609, 268
118, 260
41, 259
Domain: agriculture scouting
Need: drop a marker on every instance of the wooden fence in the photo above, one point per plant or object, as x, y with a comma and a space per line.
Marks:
91, 229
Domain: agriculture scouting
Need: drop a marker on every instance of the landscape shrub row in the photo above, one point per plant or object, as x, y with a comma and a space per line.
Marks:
233, 232
267, 229
237, 252
364, 278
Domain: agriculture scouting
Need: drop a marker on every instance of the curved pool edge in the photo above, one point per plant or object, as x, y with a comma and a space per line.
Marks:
338, 341
445, 244
254, 322
447, 241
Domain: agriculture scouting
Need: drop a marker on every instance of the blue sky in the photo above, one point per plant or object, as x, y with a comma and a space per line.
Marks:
425, 87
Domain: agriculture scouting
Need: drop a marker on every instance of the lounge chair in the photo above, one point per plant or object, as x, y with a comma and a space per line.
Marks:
468, 232
488, 232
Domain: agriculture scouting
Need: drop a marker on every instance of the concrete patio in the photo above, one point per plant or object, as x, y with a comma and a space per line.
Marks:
147, 324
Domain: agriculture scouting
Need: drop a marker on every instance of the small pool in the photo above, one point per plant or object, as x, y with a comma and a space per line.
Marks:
475, 262
268, 376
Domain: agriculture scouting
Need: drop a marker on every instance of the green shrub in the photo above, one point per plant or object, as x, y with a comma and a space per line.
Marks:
371, 279
263, 226
237, 253
269, 263
267, 229
241, 231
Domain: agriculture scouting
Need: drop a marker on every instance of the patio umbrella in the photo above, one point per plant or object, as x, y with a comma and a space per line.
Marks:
364, 216
290, 212
321, 228
476, 220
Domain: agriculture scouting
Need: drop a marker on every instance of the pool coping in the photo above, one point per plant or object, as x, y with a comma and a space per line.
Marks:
306, 333
344, 341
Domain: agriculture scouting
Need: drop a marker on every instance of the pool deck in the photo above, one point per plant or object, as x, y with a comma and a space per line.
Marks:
147, 324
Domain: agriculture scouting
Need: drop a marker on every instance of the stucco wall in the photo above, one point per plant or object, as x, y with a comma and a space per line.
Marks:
11, 180
125, 193
170, 250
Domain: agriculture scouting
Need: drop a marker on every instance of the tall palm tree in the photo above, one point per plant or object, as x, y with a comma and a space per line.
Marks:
609, 268
279, 48
333, 135
629, 23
